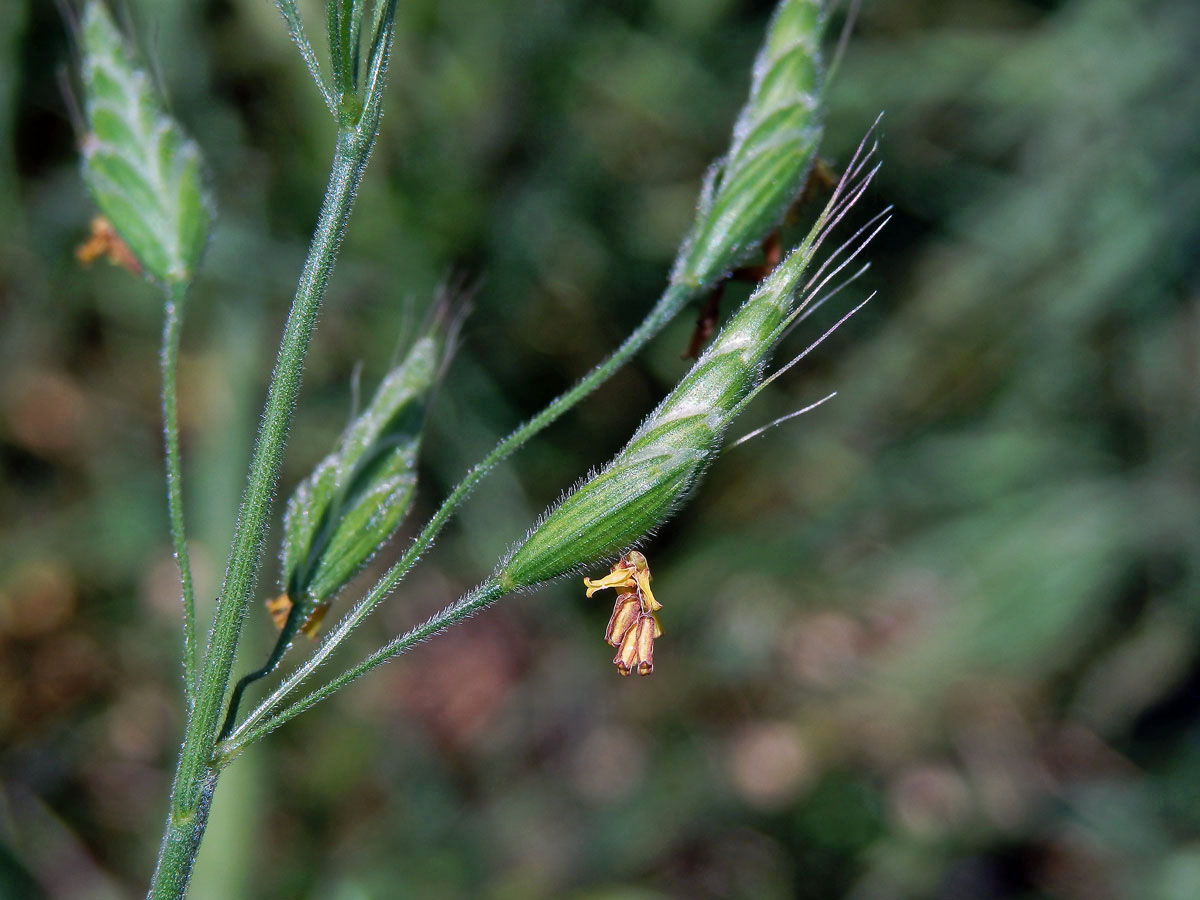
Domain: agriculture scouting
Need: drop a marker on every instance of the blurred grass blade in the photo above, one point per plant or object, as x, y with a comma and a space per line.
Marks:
748, 193
143, 172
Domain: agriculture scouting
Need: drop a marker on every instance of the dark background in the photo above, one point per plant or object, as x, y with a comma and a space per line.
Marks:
936, 639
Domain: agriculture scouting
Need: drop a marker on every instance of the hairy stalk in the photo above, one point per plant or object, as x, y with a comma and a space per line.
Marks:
195, 776
172, 325
485, 594
671, 302
291, 15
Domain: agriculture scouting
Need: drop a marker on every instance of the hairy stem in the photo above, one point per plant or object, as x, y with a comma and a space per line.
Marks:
466, 606
172, 326
195, 775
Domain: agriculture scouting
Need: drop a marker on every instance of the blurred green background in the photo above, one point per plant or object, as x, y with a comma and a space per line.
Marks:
937, 639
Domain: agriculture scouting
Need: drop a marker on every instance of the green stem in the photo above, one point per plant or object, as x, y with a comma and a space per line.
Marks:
674, 299
181, 842
466, 606
172, 326
291, 15
195, 775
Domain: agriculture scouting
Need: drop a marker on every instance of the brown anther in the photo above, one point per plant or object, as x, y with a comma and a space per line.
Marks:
626, 611
103, 241
313, 623
633, 625
637, 648
281, 607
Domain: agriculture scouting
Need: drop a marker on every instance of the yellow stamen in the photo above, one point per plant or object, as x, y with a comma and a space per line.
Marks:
103, 241
279, 607
626, 612
649, 604
627, 655
313, 623
646, 630
633, 625
619, 577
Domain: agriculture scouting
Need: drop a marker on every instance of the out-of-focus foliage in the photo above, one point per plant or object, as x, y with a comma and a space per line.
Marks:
937, 639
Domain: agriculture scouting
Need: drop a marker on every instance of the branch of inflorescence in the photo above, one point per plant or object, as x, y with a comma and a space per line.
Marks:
271, 712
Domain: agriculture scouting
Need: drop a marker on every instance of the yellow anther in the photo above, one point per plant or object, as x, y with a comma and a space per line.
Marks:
649, 604
103, 241
313, 623
619, 577
633, 625
281, 607
626, 611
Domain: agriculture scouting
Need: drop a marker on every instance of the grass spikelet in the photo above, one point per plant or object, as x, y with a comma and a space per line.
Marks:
648, 480
774, 141
144, 173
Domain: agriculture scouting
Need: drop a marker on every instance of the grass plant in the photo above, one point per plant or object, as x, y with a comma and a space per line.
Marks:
147, 179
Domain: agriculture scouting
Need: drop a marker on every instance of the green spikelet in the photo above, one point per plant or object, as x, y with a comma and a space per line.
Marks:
774, 140
143, 172
746, 195
354, 500
648, 480
357, 496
